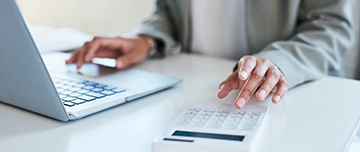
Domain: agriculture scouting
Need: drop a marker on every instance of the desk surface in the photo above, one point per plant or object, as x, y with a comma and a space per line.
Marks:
316, 116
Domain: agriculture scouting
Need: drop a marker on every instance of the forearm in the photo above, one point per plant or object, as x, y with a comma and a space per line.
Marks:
317, 47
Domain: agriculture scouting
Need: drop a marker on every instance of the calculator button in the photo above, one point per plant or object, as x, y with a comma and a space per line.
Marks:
195, 109
249, 128
224, 111
202, 117
236, 115
206, 114
249, 121
232, 127
197, 125
213, 126
182, 124
230, 123
192, 112
218, 118
251, 117
239, 112
200, 121
254, 113
221, 114
215, 122
209, 110
233, 120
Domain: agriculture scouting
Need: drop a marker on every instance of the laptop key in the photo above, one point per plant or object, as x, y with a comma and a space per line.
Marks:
79, 85
97, 89
118, 90
100, 85
78, 101
68, 99
88, 87
75, 94
66, 92
87, 98
69, 104
109, 88
94, 94
108, 93
90, 83
82, 91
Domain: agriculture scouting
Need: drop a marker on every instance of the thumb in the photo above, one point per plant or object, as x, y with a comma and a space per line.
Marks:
123, 62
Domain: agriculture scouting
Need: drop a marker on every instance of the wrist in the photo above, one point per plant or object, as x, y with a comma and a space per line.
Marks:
152, 45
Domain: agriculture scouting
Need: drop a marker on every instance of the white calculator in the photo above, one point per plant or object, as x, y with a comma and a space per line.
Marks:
213, 127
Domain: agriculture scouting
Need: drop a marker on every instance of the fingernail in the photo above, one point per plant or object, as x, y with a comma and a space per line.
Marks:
244, 74
277, 99
222, 86
262, 93
241, 103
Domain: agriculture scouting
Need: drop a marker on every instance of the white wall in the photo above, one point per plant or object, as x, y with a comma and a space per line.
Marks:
96, 17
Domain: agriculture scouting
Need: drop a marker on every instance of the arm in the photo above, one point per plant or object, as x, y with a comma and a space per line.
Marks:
323, 35
161, 27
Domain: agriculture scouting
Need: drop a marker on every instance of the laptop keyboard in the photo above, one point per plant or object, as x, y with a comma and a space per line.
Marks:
74, 92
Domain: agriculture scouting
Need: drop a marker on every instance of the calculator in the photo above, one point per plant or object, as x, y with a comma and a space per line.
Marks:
213, 127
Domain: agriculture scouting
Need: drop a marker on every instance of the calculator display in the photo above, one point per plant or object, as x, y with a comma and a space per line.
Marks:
208, 135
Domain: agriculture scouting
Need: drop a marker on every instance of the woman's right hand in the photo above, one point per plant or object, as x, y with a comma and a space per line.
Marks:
125, 51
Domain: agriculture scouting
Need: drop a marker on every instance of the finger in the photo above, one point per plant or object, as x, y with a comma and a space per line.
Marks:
272, 77
80, 57
231, 83
281, 91
98, 43
247, 64
251, 85
274, 89
105, 53
72, 58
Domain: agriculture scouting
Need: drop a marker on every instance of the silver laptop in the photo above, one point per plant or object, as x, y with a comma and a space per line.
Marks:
26, 83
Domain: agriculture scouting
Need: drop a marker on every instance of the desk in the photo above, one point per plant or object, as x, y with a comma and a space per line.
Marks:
316, 116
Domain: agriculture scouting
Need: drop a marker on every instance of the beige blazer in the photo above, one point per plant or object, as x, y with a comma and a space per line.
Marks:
306, 39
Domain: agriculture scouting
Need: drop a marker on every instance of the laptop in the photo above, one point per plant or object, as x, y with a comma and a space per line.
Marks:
25, 81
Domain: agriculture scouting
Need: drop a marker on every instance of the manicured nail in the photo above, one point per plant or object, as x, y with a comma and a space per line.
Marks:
244, 74
277, 99
241, 102
222, 86
262, 93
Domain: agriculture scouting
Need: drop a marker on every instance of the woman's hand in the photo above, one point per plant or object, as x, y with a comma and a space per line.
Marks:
253, 73
125, 51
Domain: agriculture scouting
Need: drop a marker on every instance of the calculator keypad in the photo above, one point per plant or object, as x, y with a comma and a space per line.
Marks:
219, 119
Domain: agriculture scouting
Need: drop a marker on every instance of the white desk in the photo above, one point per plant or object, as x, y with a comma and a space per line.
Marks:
317, 116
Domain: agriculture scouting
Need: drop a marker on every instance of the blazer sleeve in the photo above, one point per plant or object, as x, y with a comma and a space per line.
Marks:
160, 26
323, 35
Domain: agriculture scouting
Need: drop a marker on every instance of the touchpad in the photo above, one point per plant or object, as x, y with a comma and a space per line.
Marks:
91, 70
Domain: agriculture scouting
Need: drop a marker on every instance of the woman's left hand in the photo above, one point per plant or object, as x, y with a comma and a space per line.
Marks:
255, 72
